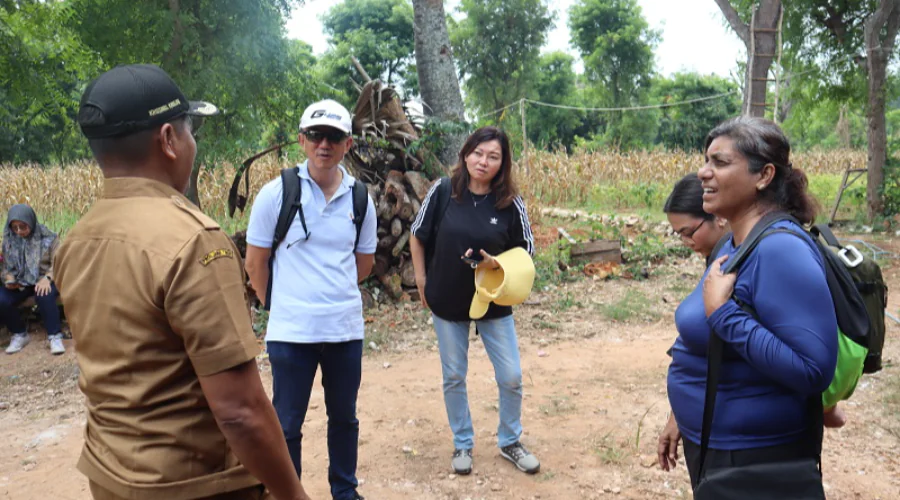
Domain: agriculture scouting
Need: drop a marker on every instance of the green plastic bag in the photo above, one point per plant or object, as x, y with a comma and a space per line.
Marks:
850, 360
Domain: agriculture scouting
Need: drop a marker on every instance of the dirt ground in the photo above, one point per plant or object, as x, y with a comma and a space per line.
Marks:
595, 401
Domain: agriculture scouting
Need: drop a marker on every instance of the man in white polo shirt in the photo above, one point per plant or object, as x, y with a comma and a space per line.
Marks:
316, 309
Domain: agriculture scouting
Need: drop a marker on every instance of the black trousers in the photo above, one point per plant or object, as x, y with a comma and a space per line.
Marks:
736, 458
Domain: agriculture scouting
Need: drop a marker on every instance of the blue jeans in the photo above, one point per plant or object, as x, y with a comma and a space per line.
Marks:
9, 310
293, 371
501, 344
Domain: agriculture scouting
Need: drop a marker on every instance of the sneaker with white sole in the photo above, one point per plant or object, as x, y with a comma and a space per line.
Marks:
462, 462
17, 342
521, 457
56, 344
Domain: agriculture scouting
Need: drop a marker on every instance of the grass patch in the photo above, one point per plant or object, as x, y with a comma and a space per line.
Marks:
635, 305
546, 476
380, 337
552, 267
261, 323
609, 451
566, 302
891, 401
824, 188
681, 288
558, 405
545, 325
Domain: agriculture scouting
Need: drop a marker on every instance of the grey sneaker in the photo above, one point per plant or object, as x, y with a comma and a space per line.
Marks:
462, 462
56, 344
17, 342
522, 458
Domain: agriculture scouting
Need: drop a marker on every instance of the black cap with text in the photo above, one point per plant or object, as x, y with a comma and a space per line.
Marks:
133, 98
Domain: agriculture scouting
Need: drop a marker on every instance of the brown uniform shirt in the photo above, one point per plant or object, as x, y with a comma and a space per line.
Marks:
154, 295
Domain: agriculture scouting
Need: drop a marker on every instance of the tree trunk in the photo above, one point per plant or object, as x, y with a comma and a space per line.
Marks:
764, 46
177, 35
438, 82
760, 41
880, 35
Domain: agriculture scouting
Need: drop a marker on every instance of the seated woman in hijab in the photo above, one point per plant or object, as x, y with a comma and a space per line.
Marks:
27, 271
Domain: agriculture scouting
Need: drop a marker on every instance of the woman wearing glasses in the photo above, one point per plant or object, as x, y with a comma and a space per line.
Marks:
697, 229
28, 249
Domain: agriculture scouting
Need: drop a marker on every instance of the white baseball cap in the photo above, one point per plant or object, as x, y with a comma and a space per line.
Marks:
327, 113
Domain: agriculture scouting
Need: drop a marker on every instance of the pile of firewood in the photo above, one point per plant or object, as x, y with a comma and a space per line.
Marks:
397, 181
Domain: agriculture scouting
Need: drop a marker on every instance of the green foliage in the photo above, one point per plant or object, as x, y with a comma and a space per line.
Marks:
379, 33
890, 189
43, 64
641, 250
497, 47
685, 127
552, 266
231, 52
261, 323
824, 188
433, 138
555, 84
566, 302
616, 44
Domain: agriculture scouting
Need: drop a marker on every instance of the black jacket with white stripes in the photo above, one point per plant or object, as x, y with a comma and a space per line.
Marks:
471, 222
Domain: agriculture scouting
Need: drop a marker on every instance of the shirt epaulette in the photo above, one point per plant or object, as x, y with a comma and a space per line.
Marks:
206, 221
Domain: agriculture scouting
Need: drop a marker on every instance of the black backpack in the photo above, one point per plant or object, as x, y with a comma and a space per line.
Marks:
292, 189
855, 281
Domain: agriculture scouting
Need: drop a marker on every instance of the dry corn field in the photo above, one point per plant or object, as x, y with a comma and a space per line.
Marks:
560, 180
546, 179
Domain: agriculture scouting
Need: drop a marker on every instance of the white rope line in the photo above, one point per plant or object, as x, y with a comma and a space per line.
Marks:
666, 105
637, 108
504, 108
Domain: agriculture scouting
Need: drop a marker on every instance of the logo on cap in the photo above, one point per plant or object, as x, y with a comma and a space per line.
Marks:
165, 107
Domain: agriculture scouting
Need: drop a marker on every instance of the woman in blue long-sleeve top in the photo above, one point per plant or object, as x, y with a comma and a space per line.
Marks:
772, 364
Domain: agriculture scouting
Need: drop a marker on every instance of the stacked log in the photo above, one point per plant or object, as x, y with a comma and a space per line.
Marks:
397, 182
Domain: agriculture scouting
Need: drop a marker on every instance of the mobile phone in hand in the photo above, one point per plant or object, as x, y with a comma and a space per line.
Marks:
472, 261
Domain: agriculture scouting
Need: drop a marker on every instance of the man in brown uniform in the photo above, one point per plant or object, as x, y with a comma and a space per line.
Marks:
155, 299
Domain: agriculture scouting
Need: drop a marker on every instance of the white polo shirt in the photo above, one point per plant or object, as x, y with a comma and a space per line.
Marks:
315, 297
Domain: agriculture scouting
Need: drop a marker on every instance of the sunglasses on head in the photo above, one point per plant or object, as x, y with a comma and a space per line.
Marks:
333, 136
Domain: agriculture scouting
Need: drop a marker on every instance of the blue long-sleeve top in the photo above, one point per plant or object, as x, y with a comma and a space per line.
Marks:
772, 365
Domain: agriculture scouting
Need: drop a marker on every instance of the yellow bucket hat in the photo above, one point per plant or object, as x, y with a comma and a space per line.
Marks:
508, 285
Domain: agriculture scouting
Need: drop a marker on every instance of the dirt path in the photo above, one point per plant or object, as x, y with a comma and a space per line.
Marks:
594, 404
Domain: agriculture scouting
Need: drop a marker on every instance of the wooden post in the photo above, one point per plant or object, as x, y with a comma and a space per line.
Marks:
778, 67
749, 69
360, 69
524, 136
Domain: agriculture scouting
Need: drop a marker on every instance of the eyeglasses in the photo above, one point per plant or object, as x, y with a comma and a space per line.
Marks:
333, 136
689, 235
19, 227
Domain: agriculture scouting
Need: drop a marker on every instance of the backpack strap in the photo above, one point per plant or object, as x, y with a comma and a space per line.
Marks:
360, 207
442, 200
716, 348
825, 232
291, 193
753, 239
718, 248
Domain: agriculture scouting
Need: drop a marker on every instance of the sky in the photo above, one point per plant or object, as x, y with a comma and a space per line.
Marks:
695, 36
